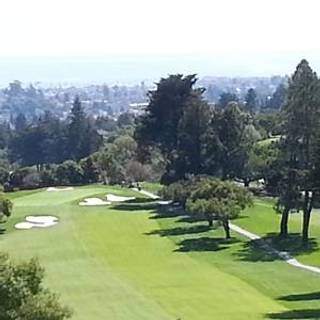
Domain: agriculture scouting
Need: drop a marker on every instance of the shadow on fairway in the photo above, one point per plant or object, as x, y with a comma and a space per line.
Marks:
205, 244
191, 219
257, 250
291, 244
296, 314
164, 212
140, 200
135, 206
301, 296
179, 231
253, 251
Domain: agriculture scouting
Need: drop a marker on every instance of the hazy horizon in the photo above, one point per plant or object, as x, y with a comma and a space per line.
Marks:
127, 41
135, 69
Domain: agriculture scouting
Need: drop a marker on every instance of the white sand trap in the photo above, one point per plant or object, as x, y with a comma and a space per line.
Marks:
164, 202
94, 202
114, 198
37, 222
54, 189
45, 225
24, 226
41, 219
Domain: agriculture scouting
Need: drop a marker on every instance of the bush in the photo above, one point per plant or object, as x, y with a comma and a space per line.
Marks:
136, 171
5, 207
4, 175
31, 181
90, 170
69, 172
48, 177
22, 295
17, 177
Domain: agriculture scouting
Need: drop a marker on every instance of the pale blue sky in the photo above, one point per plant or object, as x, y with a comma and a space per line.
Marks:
227, 37
131, 27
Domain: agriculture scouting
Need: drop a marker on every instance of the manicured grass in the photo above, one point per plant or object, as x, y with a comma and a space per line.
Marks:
263, 220
152, 187
111, 263
269, 140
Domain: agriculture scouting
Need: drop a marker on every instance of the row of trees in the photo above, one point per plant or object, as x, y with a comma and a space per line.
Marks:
51, 140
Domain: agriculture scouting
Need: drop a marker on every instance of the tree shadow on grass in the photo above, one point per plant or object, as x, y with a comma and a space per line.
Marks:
197, 218
301, 296
205, 244
191, 219
135, 206
140, 200
291, 244
167, 211
296, 314
264, 249
179, 231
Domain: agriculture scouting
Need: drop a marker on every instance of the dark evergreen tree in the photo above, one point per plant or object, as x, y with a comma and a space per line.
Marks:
83, 139
278, 98
251, 101
301, 114
20, 122
225, 98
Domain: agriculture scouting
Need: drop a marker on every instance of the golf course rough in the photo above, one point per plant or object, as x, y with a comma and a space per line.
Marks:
108, 263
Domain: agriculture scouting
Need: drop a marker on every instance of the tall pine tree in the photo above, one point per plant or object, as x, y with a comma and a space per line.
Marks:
301, 124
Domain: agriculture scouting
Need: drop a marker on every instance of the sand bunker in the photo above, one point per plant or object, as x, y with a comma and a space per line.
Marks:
54, 189
23, 225
94, 202
114, 198
164, 202
37, 222
41, 219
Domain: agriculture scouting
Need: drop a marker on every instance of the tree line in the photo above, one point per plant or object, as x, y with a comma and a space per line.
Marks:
225, 141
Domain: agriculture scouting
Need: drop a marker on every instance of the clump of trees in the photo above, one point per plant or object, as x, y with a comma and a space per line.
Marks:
193, 137
50, 140
22, 295
210, 198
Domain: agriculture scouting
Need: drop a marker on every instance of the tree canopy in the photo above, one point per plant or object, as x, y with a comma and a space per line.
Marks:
22, 295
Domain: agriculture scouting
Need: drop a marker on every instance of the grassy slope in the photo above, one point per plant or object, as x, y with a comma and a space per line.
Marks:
263, 220
111, 264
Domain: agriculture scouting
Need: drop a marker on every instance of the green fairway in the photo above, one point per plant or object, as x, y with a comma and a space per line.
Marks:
116, 263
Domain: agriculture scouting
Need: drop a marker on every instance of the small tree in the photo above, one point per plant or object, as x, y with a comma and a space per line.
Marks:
90, 171
5, 207
251, 101
69, 172
22, 295
218, 200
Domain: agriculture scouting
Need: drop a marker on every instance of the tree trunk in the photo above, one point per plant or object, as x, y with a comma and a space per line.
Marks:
307, 209
226, 228
284, 223
210, 220
305, 227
